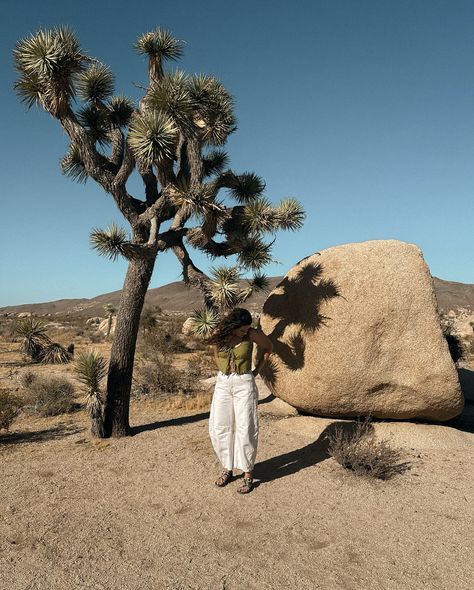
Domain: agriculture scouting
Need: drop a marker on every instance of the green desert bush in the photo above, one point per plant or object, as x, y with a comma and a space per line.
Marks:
357, 450
49, 396
35, 339
10, 406
91, 370
38, 345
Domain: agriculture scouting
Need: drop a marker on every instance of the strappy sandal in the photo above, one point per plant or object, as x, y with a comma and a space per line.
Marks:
247, 486
224, 478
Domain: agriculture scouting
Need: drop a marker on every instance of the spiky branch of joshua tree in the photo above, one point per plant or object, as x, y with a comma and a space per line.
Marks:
174, 138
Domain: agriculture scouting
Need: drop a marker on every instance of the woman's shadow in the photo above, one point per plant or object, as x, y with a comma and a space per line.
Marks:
307, 456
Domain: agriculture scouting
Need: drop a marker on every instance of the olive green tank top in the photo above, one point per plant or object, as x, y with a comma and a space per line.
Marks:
237, 359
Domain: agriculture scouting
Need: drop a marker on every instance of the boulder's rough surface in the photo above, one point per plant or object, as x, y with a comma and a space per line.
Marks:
187, 328
355, 331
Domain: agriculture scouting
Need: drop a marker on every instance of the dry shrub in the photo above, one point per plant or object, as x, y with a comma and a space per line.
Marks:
200, 366
156, 378
197, 401
358, 450
10, 406
95, 336
49, 396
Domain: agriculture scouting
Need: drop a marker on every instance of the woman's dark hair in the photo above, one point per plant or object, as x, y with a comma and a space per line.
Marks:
235, 319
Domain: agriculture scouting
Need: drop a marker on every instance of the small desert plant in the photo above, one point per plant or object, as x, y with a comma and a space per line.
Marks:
27, 378
55, 354
91, 369
204, 321
35, 339
49, 396
9, 408
38, 345
157, 378
148, 319
358, 450
162, 341
200, 366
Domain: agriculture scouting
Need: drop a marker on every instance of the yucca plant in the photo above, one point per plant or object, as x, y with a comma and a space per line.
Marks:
35, 339
55, 354
91, 370
174, 139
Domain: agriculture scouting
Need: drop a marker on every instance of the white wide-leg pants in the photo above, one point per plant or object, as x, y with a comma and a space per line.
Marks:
233, 421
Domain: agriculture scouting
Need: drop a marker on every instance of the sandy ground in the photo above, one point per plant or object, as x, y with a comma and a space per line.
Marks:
143, 513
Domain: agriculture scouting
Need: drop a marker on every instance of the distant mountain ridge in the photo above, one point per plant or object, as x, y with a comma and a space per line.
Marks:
178, 298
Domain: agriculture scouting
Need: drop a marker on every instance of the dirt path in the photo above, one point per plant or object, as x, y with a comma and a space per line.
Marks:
142, 512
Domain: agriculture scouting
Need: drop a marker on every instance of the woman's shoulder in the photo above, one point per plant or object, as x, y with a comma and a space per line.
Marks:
253, 332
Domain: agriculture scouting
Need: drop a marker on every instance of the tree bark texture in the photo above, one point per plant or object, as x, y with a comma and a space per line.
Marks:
122, 355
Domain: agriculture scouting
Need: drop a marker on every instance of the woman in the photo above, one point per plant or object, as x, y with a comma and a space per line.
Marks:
233, 421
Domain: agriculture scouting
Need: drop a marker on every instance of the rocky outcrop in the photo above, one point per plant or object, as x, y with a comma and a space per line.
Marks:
356, 331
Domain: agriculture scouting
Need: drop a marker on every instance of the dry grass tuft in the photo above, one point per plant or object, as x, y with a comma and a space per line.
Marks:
10, 406
197, 401
49, 396
358, 450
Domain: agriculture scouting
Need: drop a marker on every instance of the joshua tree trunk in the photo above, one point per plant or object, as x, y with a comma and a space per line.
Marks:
119, 381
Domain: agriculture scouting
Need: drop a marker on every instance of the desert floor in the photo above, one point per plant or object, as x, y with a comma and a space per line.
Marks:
142, 512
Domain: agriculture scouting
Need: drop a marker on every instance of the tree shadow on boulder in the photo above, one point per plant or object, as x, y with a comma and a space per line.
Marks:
296, 304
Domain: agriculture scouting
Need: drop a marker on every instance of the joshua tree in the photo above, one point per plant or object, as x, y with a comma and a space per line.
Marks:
110, 311
173, 138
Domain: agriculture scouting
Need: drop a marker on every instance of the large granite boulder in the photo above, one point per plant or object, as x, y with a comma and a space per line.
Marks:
355, 331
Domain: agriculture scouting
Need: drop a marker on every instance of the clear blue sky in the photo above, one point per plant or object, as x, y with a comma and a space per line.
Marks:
362, 109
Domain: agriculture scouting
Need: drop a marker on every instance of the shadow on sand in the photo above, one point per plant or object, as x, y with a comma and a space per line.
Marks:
31, 436
307, 456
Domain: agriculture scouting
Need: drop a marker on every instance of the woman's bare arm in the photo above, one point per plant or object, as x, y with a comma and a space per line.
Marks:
215, 351
264, 344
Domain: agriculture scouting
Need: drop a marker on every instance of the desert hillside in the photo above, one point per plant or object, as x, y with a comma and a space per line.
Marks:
177, 298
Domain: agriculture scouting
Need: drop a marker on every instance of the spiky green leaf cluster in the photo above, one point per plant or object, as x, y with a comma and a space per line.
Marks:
95, 120
120, 110
259, 216
215, 162
55, 354
73, 166
172, 97
96, 84
254, 254
247, 187
109, 242
224, 287
290, 215
31, 327
214, 109
204, 321
198, 201
152, 137
160, 43
48, 61
91, 369
259, 282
